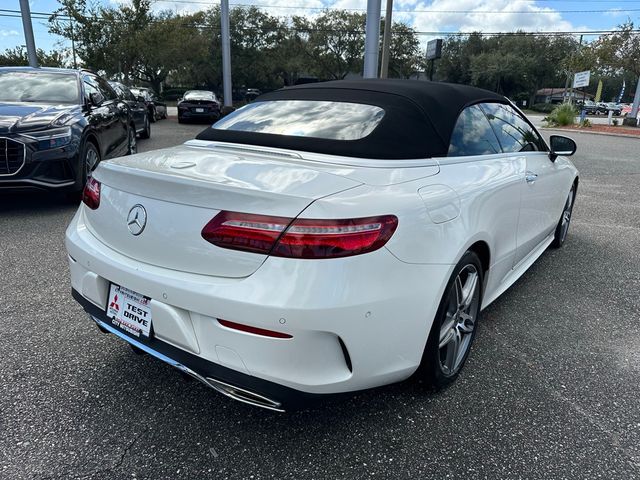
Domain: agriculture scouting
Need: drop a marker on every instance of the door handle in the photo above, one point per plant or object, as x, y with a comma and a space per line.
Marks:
531, 177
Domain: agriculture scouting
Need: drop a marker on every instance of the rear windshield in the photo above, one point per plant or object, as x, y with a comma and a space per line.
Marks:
39, 87
305, 118
199, 95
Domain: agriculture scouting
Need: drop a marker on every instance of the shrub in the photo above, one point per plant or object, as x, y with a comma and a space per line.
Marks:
615, 122
563, 115
543, 107
173, 93
585, 123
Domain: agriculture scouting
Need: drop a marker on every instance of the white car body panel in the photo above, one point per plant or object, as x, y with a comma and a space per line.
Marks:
380, 304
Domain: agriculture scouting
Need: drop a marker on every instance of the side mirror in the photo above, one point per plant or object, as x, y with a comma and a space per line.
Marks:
96, 99
561, 146
140, 98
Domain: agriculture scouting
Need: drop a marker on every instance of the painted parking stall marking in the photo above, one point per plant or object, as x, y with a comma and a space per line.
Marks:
129, 310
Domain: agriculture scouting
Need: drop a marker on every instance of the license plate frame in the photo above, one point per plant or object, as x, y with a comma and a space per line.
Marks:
129, 311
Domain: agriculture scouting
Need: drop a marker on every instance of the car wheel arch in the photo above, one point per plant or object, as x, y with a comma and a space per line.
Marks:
91, 137
482, 249
480, 244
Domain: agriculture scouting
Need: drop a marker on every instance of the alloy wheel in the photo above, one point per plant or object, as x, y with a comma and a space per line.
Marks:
90, 161
566, 216
459, 323
133, 146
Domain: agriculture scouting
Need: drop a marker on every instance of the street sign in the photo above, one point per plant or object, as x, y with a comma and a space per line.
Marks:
434, 49
581, 79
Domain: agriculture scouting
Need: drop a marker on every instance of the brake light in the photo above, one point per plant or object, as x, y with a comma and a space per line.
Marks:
91, 193
299, 238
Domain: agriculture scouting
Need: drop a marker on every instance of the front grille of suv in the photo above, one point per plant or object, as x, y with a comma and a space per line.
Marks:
11, 156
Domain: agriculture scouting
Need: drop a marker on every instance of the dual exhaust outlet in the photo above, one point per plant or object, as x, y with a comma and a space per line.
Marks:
231, 391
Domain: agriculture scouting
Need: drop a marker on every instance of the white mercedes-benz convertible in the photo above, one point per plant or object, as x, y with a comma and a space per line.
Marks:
324, 239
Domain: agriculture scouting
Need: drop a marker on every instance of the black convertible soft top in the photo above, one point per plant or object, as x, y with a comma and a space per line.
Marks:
418, 121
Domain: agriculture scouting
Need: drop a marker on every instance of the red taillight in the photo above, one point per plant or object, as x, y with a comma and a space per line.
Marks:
91, 193
255, 330
244, 231
299, 238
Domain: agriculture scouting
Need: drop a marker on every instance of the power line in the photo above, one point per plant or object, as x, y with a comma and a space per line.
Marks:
45, 16
203, 26
451, 12
461, 12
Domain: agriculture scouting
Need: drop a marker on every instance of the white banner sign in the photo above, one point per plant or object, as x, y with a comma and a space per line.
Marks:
581, 79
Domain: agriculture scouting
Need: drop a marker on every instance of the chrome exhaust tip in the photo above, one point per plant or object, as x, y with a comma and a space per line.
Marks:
235, 393
244, 396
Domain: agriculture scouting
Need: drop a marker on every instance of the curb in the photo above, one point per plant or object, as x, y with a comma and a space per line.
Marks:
573, 130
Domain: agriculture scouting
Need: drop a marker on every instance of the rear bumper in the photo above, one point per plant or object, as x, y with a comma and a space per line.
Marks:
237, 385
356, 323
210, 115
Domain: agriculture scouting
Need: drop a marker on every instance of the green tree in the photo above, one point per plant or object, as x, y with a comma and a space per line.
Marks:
404, 51
621, 50
15, 57
333, 43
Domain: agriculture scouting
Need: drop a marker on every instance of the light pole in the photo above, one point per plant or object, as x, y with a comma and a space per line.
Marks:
28, 33
226, 53
386, 42
73, 41
632, 117
372, 39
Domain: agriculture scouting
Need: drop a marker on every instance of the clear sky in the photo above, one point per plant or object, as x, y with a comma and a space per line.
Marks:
424, 15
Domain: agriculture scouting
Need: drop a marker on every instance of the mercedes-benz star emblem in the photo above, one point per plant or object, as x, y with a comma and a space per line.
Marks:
137, 219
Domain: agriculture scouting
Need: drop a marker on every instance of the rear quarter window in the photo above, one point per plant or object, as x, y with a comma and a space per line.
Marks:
472, 135
514, 132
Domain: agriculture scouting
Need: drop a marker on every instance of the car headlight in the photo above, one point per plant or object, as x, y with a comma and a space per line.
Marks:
52, 138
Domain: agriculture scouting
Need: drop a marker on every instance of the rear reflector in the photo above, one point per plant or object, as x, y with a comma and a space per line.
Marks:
91, 193
255, 330
299, 238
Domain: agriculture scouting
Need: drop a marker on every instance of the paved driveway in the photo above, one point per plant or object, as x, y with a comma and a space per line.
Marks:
550, 389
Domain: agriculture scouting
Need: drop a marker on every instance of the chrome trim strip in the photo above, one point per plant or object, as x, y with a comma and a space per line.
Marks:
48, 137
241, 395
220, 387
6, 156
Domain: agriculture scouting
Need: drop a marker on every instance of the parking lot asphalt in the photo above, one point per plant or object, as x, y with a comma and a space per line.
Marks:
550, 391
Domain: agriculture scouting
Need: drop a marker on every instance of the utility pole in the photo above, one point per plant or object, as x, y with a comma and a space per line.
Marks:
73, 41
226, 53
386, 42
570, 78
28, 33
372, 39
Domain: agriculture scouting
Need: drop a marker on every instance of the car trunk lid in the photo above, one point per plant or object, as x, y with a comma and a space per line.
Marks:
182, 188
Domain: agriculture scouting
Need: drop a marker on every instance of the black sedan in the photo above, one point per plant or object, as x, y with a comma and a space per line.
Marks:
156, 108
138, 109
198, 105
56, 125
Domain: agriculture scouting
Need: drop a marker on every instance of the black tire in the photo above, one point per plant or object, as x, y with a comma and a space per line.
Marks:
457, 328
562, 228
88, 150
152, 115
146, 132
180, 119
132, 144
